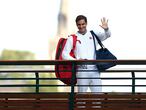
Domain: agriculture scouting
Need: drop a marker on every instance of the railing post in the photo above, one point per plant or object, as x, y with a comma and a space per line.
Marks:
133, 82
37, 82
71, 98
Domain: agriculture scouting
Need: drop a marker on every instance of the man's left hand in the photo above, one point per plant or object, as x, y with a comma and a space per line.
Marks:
104, 23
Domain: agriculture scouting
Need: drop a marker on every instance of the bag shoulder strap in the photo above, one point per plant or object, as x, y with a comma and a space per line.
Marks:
74, 41
95, 36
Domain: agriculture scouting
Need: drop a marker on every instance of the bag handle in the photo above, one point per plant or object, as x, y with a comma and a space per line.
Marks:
99, 41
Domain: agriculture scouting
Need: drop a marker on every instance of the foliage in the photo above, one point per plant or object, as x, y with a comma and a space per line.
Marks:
16, 55
25, 55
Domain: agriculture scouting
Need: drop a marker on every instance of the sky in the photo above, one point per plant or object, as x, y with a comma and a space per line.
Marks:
28, 24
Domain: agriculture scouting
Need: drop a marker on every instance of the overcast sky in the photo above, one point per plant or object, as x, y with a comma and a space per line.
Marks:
28, 24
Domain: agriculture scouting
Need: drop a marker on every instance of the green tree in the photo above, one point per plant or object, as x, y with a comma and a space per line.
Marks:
17, 55
25, 55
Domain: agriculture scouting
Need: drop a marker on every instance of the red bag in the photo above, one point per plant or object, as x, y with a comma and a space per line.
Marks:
60, 68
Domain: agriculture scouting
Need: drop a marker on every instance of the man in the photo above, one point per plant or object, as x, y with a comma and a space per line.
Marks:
85, 50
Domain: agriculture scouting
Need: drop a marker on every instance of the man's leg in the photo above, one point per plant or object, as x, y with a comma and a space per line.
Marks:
81, 103
82, 82
95, 82
96, 89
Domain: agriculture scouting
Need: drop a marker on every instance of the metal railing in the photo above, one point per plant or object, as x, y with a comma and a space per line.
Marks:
51, 63
50, 70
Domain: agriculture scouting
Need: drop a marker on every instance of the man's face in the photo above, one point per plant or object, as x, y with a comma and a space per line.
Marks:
81, 24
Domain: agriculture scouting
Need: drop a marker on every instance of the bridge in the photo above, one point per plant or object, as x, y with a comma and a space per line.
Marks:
70, 100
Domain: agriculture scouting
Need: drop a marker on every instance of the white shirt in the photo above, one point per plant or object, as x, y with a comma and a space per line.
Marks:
84, 47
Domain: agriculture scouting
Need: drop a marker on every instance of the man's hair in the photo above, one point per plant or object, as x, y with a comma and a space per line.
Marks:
80, 17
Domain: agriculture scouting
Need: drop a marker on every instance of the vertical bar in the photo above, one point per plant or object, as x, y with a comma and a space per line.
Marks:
71, 98
37, 82
133, 82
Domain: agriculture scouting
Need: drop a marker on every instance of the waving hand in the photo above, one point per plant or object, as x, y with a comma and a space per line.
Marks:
104, 23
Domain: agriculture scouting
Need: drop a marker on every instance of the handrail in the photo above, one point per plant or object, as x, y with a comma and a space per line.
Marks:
73, 62
54, 62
